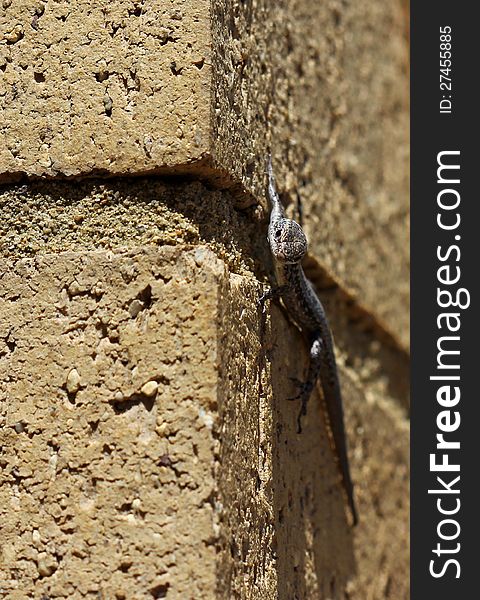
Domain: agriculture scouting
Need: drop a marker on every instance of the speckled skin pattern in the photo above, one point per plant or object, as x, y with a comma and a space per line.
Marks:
289, 245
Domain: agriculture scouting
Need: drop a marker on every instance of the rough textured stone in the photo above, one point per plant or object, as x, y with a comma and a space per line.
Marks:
285, 530
107, 490
51, 217
325, 86
203, 490
207, 87
147, 447
103, 87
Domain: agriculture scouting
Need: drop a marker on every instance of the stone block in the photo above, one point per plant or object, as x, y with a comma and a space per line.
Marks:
149, 451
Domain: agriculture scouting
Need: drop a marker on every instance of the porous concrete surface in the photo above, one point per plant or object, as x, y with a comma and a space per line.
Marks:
208, 87
108, 389
105, 87
52, 217
149, 450
324, 85
285, 531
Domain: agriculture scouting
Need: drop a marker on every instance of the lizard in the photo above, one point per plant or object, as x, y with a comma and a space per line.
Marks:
288, 245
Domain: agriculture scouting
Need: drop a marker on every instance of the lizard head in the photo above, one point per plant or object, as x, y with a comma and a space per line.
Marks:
287, 241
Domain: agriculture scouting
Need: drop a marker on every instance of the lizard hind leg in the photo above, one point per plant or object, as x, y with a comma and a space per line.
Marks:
306, 387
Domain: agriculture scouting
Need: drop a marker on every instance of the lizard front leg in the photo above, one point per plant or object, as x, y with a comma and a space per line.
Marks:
272, 294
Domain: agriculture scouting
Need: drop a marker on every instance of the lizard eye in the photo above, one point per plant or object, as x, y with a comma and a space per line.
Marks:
278, 234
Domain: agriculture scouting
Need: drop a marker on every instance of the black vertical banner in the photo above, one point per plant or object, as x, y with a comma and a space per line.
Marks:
445, 330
